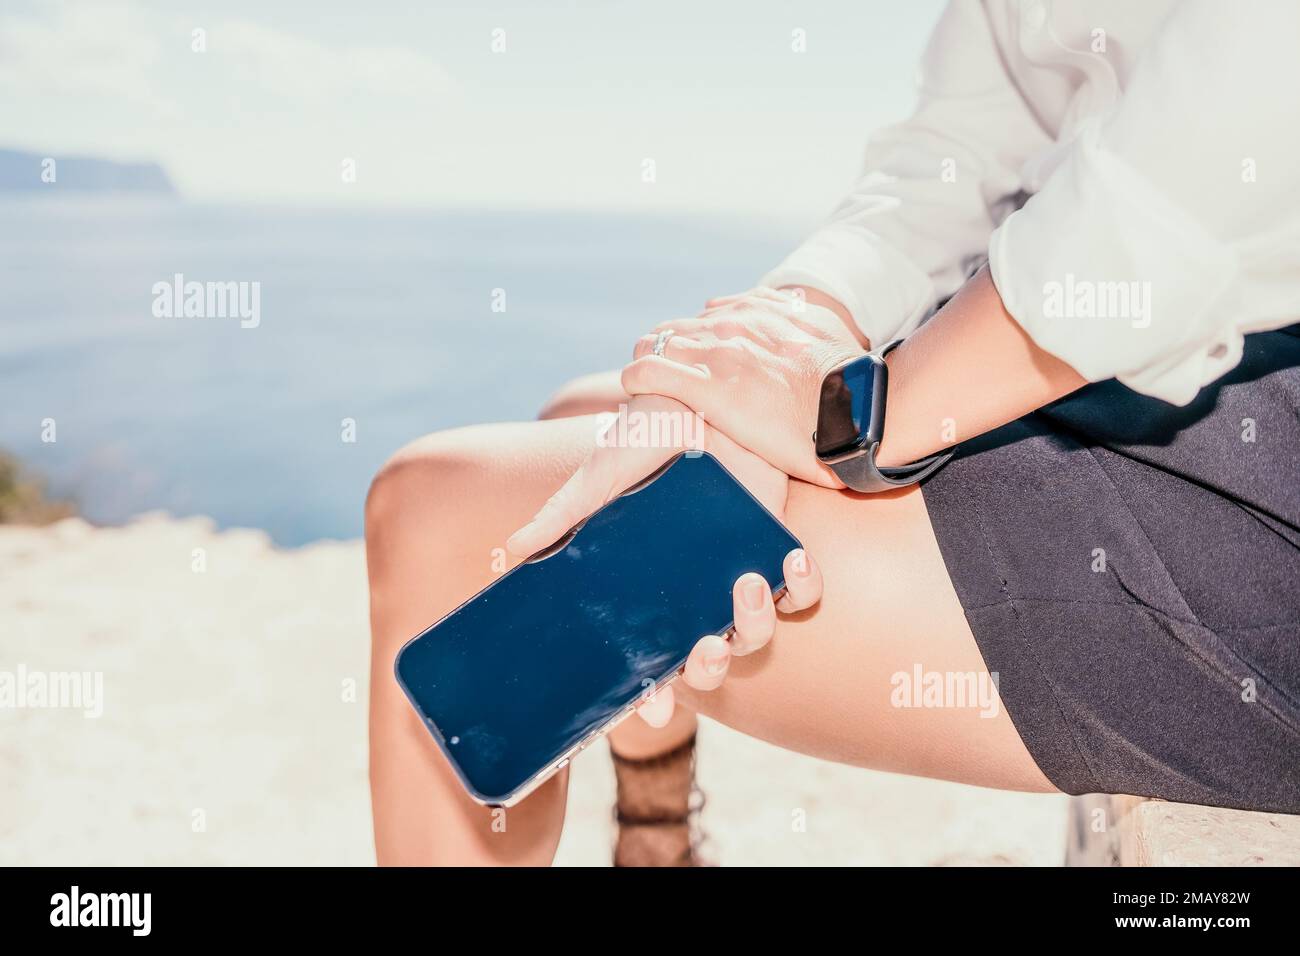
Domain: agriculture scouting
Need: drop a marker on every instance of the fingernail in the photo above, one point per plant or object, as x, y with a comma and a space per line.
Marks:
713, 666
800, 564
753, 595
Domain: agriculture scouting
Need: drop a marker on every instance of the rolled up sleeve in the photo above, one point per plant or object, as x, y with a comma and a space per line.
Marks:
1170, 229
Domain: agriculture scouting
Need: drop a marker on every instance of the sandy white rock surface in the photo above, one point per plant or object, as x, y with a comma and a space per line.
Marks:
233, 726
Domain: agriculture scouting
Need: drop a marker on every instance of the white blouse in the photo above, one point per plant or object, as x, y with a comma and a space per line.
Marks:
1159, 145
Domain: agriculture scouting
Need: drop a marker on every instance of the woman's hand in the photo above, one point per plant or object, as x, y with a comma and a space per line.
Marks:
612, 468
752, 366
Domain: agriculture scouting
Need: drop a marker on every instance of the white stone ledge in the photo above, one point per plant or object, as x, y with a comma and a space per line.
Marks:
1108, 830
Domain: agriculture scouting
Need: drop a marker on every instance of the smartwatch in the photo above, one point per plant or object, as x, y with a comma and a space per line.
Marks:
851, 425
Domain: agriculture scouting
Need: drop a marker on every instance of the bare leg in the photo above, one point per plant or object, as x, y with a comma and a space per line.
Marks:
437, 511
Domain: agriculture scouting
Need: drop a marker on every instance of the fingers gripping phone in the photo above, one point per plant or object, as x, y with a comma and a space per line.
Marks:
542, 662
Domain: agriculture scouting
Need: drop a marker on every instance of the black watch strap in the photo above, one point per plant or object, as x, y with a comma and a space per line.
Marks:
862, 474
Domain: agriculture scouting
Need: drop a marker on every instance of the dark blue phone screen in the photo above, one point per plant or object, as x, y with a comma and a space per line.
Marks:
521, 673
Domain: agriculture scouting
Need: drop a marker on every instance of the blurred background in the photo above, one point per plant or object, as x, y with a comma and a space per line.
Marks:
380, 170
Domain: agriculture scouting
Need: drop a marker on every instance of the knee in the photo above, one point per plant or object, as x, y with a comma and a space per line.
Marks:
585, 395
411, 489
389, 488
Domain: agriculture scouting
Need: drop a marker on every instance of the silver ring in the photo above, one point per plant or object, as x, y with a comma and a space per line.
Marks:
661, 340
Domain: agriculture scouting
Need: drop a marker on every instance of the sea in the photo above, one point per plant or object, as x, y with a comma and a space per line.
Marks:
372, 327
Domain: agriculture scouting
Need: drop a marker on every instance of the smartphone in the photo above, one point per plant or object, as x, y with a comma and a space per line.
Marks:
542, 662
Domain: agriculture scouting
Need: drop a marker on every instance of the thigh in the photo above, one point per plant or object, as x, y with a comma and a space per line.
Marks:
884, 672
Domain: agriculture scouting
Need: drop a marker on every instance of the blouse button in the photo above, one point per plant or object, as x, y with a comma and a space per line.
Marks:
1219, 351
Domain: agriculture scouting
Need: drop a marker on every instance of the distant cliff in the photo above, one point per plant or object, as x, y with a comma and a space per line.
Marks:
32, 172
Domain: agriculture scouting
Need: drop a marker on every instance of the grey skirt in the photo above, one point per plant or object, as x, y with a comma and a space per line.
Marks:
1131, 571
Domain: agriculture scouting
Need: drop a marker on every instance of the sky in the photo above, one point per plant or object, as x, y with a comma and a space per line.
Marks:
571, 108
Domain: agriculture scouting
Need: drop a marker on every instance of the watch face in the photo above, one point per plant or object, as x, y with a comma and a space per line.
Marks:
852, 410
